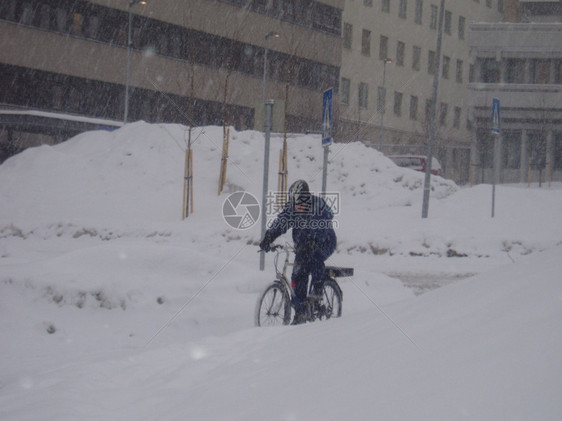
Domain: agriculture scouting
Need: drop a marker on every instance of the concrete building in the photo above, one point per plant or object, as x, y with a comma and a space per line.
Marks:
520, 63
387, 105
192, 62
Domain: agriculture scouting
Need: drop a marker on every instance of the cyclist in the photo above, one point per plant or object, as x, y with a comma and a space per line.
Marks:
314, 241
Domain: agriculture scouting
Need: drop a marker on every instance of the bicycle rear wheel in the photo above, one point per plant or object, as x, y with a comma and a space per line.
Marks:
331, 303
273, 307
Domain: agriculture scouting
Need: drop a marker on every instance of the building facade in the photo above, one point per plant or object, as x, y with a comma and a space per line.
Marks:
195, 62
521, 65
388, 62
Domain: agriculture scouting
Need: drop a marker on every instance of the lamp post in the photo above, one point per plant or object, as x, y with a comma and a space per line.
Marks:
268, 111
432, 123
129, 42
385, 61
269, 35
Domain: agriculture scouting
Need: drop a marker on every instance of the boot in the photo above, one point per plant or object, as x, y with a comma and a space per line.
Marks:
300, 314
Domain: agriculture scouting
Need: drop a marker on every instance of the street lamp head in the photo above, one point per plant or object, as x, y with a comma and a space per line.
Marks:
133, 2
272, 34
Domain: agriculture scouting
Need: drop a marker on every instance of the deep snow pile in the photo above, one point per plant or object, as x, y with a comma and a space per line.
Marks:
111, 307
136, 174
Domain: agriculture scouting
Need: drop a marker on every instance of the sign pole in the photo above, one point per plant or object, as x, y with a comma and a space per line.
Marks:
267, 130
496, 132
326, 132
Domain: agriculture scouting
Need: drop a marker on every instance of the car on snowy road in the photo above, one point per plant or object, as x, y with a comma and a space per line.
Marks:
418, 163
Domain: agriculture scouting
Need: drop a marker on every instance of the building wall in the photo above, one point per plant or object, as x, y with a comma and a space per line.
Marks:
187, 58
521, 65
402, 132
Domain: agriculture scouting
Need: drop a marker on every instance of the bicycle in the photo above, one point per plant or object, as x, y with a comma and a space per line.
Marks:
274, 304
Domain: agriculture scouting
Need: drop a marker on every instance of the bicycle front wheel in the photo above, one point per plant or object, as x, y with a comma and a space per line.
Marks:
273, 307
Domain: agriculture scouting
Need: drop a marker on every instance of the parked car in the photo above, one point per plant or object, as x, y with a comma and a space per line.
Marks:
418, 163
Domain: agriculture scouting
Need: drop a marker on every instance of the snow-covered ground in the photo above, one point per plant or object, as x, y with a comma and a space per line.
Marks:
113, 308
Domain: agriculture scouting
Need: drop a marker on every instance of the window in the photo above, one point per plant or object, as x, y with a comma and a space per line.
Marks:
58, 96
366, 43
175, 51
62, 23
471, 73
431, 62
347, 35
489, 3
442, 114
77, 20
428, 106
381, 99
433, 16
557, 151
398, 104
74, 99
45, 13
93, 26
400, 47
383, 48
500, 6
416, 58
540, 71
459, 71
515, 71
419, 11
462, 24
490, 71
485, 147
363, 95
385, 6
536, 148
121, 37
511, 154
27, 14
413, 107
345, 90
445, 69
8, 9
402, 6
368, 3
448, 22
457, 117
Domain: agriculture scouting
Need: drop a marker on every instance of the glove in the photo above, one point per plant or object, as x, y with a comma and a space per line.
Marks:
265, 244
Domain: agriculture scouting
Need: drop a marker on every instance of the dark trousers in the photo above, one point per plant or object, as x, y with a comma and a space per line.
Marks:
305, 265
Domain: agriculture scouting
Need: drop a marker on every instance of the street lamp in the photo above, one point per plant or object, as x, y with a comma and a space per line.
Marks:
385, 61
269, 35
129, 43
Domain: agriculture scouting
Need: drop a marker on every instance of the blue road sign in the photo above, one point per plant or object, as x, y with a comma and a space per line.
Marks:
496, 119
327, 118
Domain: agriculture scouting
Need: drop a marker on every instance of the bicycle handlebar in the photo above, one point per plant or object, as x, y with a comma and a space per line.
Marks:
273, 247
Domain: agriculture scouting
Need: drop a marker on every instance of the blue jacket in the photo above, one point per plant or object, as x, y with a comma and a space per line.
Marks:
313, 228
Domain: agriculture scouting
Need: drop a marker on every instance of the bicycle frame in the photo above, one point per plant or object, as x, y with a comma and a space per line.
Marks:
274, 304
281, 276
